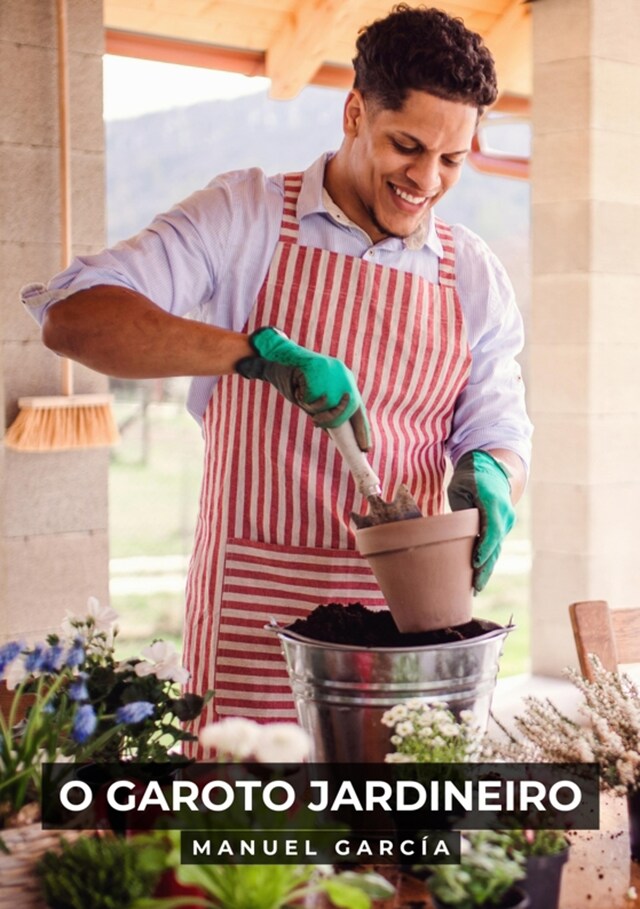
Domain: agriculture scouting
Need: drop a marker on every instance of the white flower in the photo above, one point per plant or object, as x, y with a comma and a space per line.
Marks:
163, 661
395, 715
282, 743
102, 618
324, 870
15, 672
233, 736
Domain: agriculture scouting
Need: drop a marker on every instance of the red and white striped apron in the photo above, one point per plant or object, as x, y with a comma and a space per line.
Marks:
273, 535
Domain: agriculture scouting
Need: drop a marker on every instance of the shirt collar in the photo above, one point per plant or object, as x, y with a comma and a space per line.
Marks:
314, 199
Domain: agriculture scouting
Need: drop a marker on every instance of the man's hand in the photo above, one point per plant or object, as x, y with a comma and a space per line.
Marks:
322, 386
479, 481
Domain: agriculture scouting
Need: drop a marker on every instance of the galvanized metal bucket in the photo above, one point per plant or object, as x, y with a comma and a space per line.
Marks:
341, 692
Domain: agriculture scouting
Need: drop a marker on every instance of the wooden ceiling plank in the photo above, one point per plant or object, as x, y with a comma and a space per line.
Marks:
303, 44
464, 8
509, 40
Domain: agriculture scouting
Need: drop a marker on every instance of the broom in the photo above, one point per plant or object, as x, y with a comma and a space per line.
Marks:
67, 421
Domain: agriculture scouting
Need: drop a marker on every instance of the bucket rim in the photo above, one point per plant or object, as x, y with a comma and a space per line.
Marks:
283, 632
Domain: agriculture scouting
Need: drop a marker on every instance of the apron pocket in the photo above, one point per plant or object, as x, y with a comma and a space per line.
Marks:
287, 583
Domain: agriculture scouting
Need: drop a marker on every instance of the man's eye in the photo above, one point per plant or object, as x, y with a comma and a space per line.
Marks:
453, 162
404, 149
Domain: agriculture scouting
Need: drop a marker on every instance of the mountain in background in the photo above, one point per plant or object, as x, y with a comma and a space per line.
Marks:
157, 159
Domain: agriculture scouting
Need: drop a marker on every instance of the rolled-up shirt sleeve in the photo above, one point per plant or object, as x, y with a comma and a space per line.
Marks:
168, 262
491, 410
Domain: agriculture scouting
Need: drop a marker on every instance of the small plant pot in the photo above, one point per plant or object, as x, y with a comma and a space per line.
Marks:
543, 879
423, 567
633, 811
514, 898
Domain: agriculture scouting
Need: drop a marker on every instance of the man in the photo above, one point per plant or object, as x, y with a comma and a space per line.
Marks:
349, 261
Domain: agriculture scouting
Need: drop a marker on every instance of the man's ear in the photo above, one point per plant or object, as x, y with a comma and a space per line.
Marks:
353, 113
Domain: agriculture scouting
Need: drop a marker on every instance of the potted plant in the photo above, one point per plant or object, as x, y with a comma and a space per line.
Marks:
103, 872
607, 736
486, 876
251, 886
428, 732
72, 701
256, 886
545, 853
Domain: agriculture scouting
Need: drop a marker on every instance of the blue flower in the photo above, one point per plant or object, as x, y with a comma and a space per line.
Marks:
9, 652
34, 660
53, 658
75, 656
78, 690
135, 712
84, 723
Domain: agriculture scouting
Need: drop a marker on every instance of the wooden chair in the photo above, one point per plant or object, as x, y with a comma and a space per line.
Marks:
613, 635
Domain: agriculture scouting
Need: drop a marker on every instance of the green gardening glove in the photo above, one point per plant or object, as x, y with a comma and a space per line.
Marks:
322, 386
479, 481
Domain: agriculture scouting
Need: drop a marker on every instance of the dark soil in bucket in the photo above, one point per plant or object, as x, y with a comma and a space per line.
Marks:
359, 626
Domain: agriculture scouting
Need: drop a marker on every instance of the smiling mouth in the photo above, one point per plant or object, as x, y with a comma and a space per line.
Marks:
408, 197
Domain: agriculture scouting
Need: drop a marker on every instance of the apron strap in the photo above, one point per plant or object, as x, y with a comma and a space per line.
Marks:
289, 225
447, 264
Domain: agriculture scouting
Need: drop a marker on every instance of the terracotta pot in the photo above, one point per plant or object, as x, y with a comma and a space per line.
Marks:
543, 879
515, 898
423, 567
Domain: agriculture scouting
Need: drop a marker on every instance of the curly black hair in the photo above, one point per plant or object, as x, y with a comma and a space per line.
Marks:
423, 49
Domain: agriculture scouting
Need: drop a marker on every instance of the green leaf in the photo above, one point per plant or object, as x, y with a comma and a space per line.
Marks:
345, 896
374, 885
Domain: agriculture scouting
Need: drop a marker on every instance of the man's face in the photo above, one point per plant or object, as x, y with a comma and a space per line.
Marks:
399, 163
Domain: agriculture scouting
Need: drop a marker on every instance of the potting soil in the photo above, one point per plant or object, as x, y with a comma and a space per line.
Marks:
358, 626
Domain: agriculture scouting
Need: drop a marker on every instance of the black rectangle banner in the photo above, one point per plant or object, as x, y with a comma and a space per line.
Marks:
317, 847
354, 797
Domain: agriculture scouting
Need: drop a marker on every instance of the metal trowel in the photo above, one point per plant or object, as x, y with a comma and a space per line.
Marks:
402, 508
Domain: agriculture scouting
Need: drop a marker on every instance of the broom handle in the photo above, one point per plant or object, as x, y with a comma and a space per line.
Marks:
64, 127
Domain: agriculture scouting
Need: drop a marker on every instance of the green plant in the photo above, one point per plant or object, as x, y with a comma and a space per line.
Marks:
486, 872
100, 872
535, 842
429, 733
73, 701
268, 886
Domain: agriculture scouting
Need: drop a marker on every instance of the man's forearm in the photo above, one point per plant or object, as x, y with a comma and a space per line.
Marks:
121, 333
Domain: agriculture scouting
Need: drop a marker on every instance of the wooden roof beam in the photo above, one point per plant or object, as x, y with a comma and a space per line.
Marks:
303, 45
209, 56
509, 40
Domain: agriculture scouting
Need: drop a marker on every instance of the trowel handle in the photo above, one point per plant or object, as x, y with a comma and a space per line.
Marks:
344, 439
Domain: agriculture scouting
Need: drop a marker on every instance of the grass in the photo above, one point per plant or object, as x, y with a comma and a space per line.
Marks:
154, 482
154, 485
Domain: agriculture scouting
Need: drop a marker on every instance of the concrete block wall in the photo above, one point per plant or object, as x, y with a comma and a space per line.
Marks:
584, 343
54, 518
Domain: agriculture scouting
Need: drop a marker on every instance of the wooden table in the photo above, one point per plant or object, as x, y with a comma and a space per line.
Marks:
597, 876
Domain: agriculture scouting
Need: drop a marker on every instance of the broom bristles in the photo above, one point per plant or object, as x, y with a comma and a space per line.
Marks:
62, 424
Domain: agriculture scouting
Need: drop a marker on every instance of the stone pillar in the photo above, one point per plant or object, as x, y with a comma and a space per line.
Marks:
54, 530
584, 344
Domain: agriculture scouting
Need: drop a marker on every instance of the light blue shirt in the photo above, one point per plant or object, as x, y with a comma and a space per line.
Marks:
208, 256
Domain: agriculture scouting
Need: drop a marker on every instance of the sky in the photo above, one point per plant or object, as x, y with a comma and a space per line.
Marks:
133, 87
